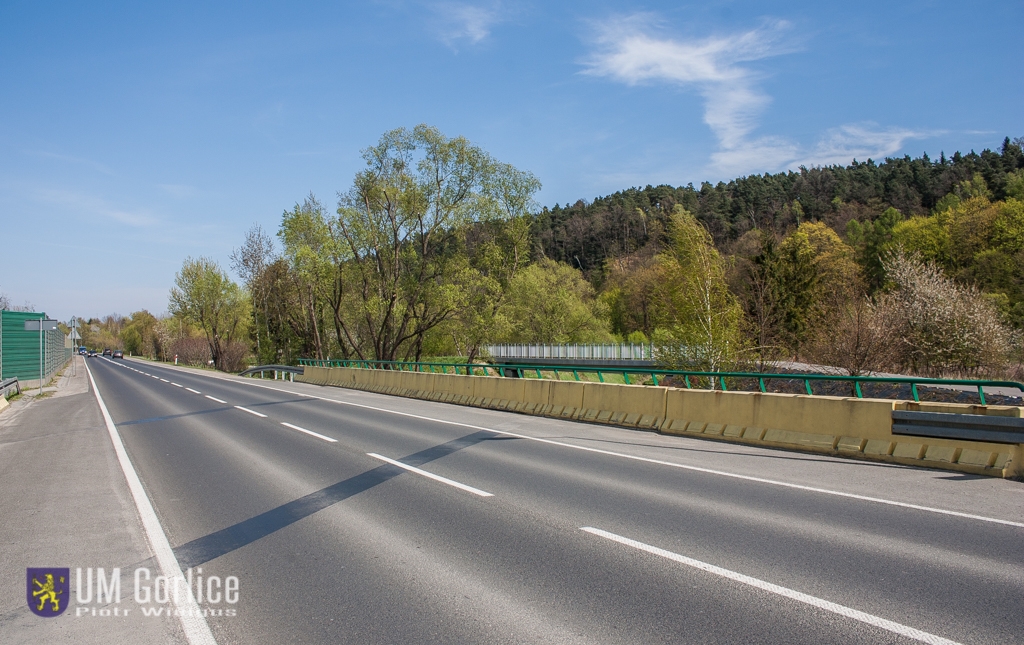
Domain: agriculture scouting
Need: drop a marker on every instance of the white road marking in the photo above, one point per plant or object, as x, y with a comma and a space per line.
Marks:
156, 377
193, 391
175, 385
193, 623
814, 601
238, 407
709, 471
213, 398
443, 480
165, 380
309, 432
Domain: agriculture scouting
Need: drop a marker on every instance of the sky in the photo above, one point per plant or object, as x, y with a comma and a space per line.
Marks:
134, 135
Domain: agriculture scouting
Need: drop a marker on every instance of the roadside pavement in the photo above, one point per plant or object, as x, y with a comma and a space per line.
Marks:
66, 504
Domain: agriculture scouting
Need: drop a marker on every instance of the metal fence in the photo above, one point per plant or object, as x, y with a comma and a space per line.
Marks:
616, 352
682, 378
19, 349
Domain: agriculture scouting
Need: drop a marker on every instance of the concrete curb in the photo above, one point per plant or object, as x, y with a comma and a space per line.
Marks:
846, 427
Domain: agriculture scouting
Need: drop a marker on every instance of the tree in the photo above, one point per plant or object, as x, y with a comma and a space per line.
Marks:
396, 237
203, 295
551, 302
139, 335
816, 271
704, 316
871, 239
632, 292
306, 235
251, 261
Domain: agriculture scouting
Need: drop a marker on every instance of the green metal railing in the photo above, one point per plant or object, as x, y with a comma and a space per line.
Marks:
712, 378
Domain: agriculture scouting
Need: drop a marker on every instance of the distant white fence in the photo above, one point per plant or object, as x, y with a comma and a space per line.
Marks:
617, 352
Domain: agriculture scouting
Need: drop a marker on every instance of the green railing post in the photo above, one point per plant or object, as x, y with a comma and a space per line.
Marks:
856, 385
913, 388
600, 376
576, 374
686, 377
981, 395
654, 378
538, 374
625, 376
760, 384
807, 384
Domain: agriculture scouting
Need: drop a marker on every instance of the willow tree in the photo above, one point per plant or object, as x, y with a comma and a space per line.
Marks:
398, 238
204, 296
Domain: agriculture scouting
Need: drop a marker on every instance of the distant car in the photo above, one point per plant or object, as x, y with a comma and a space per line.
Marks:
83, 351
117, 354
92, 352
107, 352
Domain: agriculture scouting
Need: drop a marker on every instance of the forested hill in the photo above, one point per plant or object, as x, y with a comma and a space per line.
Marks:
585, 235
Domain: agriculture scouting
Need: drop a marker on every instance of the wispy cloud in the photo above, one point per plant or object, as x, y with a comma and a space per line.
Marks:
458, 22
92, 205
630, 50
858, 141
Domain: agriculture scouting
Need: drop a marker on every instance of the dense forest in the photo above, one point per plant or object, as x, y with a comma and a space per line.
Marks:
438, 249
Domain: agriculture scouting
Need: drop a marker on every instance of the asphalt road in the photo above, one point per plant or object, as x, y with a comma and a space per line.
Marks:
517, 529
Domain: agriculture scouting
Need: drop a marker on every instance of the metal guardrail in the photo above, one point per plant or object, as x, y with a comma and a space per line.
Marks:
286, 369
715, 380
9, 384
973, 427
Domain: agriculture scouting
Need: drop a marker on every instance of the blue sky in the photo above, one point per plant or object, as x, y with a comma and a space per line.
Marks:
135, 134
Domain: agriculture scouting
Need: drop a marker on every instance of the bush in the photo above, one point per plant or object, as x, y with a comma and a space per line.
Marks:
943, 328
190, 351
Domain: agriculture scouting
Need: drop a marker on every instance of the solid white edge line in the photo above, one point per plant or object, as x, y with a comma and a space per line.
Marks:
259, 414
309, 432
721, 473
193, 623
193, 391
213, 398
443, 480
814, 601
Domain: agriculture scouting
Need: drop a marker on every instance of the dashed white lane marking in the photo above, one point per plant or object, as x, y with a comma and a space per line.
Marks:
309, 432
443, 480
175, 385
238, 407
193, 391
814, 601
165, 380
193, 622
213, 398
699, 469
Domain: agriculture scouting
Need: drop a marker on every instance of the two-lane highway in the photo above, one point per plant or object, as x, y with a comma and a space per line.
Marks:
360, 518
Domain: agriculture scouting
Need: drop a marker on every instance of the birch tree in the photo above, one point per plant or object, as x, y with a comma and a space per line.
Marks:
704, 332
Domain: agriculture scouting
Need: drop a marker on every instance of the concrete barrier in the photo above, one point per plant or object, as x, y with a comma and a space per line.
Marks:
851, 427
